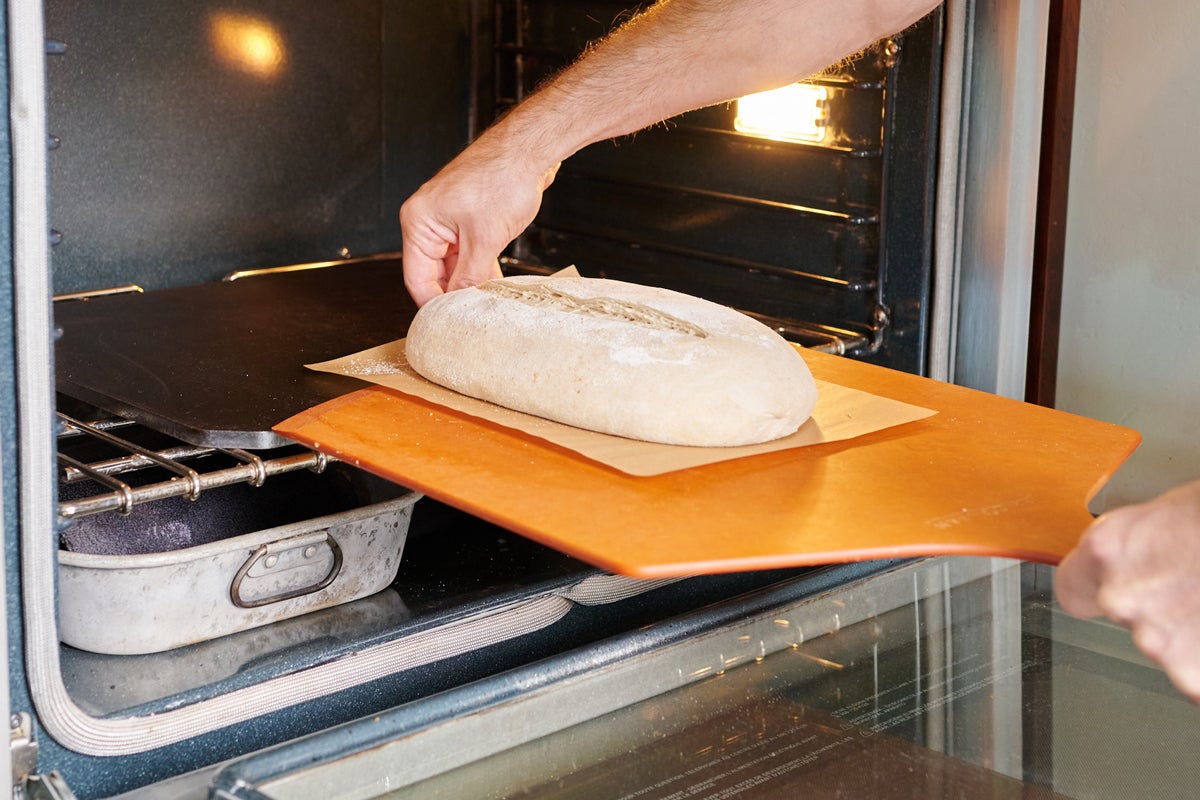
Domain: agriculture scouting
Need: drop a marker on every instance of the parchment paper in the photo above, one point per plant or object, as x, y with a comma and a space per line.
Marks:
841, 413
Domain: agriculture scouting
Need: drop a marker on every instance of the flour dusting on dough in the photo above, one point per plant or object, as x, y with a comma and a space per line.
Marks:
546, 296
622, 353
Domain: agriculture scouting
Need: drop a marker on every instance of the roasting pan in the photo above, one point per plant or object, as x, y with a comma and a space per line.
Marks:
176, 572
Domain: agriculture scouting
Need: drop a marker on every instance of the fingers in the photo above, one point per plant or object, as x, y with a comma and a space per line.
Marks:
1108, 571
1178, 651
456, 225
472, 273
1077, 583
438, 259
1172, 639
1138, 566
1087, 583
422, 277
429, 254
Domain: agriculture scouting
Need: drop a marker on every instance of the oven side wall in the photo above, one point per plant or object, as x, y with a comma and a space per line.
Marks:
10, 634
26, 355
998, 168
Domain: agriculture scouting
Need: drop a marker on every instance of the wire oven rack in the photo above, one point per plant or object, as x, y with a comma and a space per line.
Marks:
130, 474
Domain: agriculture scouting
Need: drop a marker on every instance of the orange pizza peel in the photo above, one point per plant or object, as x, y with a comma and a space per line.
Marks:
983, 476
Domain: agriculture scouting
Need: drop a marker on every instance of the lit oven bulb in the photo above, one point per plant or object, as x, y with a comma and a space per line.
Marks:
798, 112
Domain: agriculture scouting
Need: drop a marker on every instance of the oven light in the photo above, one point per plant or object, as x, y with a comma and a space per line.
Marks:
248, 44
798, 112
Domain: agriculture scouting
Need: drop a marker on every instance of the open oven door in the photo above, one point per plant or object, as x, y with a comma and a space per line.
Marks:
943, 678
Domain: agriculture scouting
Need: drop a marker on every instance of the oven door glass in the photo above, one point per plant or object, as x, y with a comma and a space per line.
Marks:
944, 678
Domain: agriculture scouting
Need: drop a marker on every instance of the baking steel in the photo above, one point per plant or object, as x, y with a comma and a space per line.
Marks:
985, 476
217, 364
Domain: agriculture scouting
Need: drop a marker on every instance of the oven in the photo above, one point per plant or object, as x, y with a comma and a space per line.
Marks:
205, 199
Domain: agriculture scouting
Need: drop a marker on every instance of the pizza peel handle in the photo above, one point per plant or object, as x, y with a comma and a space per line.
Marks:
984, 476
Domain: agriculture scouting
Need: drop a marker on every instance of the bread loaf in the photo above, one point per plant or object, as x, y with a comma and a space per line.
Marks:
614, 357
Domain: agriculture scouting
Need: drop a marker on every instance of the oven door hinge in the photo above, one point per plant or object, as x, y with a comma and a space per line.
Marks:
23, 749
881, 323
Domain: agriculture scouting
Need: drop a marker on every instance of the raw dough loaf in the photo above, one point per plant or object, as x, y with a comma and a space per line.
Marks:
614, 357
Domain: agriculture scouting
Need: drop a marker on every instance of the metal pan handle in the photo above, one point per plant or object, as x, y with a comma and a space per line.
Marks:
274, 549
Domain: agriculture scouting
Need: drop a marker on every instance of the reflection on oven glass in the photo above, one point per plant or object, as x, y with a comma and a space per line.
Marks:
982, 690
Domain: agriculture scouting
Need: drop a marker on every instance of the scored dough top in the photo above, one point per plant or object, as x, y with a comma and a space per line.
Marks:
545, 294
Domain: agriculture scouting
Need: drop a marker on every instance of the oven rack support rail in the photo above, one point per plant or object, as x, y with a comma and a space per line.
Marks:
184, 462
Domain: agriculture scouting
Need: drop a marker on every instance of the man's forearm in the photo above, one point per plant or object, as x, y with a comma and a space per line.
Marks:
676, 56
684, 54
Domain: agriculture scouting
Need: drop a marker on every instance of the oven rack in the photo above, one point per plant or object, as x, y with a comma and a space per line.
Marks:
812, 335
192, 469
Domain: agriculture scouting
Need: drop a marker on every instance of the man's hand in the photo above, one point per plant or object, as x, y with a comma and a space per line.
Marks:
1140, 567
457, 224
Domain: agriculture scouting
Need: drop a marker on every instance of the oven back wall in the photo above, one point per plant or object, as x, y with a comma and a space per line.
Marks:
197, 137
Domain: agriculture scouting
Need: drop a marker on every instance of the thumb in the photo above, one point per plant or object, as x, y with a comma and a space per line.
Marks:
1077, 581
474, 266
